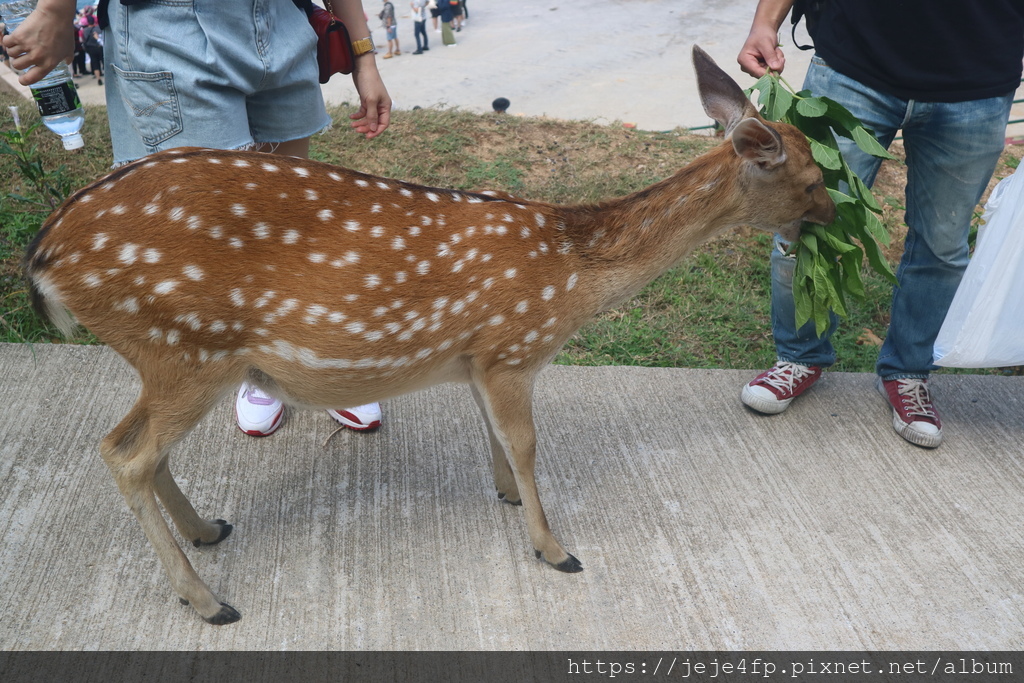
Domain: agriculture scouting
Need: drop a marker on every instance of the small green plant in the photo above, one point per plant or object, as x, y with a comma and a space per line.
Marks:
51, 187
829, 257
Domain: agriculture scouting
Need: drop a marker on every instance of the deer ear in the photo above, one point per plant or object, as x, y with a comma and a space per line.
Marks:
723, 99
757, 143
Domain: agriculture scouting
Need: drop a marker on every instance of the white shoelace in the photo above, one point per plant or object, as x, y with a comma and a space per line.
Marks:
916, 398
786, 376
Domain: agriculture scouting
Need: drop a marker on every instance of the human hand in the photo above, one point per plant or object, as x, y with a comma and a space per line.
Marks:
761, 52
374, 115
42, 41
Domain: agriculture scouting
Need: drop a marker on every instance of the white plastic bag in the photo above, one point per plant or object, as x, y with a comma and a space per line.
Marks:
984, 327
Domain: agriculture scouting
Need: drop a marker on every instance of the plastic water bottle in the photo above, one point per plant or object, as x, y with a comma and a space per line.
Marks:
56, 95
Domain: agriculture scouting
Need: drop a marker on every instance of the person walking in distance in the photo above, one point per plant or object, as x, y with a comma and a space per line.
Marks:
419, 22
387, 17
953, 120
211, 87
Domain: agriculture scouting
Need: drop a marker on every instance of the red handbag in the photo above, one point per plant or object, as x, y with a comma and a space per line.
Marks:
333, 46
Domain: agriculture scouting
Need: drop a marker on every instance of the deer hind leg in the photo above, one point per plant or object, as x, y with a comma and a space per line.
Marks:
507, 402
136, 454
504, 479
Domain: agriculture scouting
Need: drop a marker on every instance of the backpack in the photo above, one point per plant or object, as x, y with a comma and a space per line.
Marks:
811, 10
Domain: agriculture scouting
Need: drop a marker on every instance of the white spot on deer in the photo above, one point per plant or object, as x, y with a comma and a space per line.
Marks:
237, 298
398, 243
238, 209
216, 232
140, 280
372, 280
382, 185
235, 242
261, 231
317, 257
548, 293
267, 166
551, 321
194, 222
150, 209
522, 306
173, 336
432, 196
355, 327
334, 176
218, 326
571, 282
241, 163
376, 208
400, 277
514, 361
283, 309
92, 280
193, 273
423, 267
237, 326
325, 214
405, 192
155, 333
130, 305
531, 337
99, 240
118, 210
444, 249
312, 195
496, 320
426, 221
507, 218
349, 298
377, 231
352, 226
265, 299
457, 266
151, 256
362, 183
510, 273
129, 254
290, 237
411, 315
392, 328
375, 335
301, 172
458, 306
165, 287
336, 317
177, 213
539, 217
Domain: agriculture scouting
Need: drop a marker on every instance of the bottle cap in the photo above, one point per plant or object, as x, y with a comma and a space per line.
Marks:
73, 141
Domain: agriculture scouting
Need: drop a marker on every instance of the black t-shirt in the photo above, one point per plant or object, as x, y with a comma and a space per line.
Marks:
928, 50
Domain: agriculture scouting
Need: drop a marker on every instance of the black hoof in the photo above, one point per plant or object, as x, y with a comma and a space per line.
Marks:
569, 565
183, 601
226, 615
501, 497
225, 531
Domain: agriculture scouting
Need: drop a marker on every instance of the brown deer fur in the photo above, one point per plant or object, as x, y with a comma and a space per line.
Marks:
328, 287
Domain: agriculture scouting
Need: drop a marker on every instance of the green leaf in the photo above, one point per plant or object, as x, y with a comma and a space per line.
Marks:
826, 156
779, 105
812, 107
867, 142
840, 197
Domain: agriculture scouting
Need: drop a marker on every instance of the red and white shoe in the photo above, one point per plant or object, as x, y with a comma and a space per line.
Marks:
256, 413
361, 418
773, 390
914, 416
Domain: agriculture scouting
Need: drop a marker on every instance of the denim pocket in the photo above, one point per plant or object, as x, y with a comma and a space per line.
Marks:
153, 103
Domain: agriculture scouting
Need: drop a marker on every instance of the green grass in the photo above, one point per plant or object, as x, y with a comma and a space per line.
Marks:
711, 311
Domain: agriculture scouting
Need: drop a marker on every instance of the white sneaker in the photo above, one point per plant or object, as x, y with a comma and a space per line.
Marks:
257, 413
361, 418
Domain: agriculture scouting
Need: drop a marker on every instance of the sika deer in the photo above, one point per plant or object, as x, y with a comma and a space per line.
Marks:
330, 287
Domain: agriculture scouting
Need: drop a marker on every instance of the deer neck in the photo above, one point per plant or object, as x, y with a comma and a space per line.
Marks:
636, 238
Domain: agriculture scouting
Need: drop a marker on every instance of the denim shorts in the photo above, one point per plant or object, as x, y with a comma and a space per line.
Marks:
392, 32
210, 73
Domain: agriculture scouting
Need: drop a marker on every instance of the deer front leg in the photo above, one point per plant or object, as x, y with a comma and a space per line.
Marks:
504, 479
133, 453
507, 398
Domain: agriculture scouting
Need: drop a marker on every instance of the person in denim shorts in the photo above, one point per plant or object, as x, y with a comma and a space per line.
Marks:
944, 72
210, 73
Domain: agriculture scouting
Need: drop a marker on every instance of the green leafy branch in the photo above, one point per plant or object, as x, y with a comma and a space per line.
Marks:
829, 257
52, 187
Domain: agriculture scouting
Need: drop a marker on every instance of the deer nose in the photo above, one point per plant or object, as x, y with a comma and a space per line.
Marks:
823, 212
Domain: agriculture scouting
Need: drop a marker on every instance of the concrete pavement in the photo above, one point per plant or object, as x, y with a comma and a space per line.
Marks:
700, 524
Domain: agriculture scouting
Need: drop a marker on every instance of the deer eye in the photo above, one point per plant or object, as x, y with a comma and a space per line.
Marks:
811, 188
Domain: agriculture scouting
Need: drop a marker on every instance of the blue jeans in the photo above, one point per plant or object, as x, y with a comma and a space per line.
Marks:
419, 31
952, 150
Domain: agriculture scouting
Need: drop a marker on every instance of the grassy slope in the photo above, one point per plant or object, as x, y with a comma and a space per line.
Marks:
710, 311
